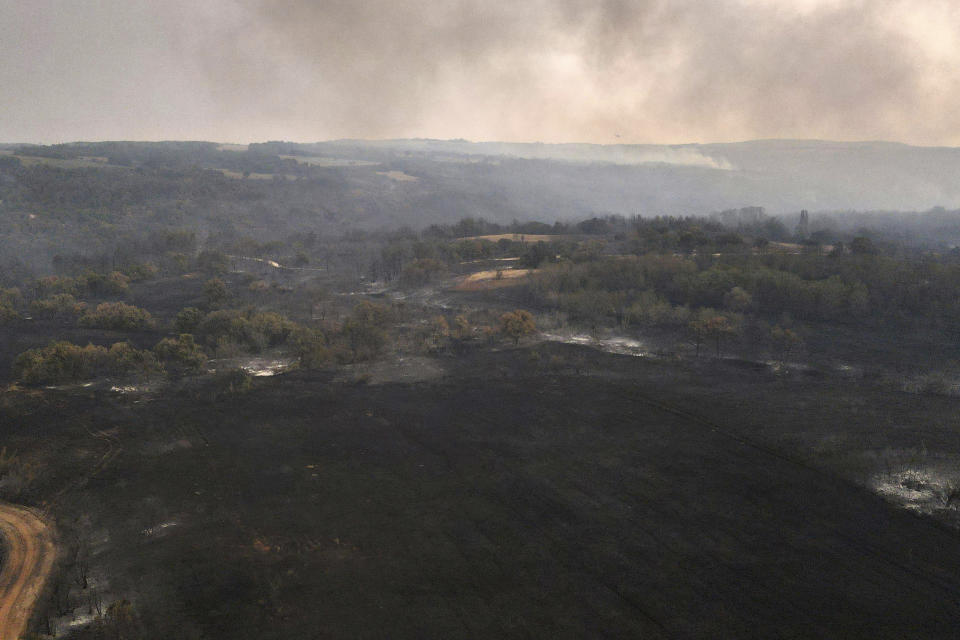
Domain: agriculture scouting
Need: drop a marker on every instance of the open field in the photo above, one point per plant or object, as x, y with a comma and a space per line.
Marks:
398, 176
492, 278
519, 237
66, 163
324, 161
252, 176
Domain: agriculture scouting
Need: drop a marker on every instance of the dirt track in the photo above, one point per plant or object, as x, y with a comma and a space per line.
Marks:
29, 553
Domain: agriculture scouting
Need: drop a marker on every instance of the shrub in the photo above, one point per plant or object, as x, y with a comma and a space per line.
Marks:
215, 291
8, 313
61, 362
61, 304
364, 330
187, 320
112, 284
252, 331
420, 271
10, 297
214, 262
180, 355
228, 384
58, 362
140, 271
462, 327
517, 324
50, 285
125, 359
117, 316
536, 254
309, 347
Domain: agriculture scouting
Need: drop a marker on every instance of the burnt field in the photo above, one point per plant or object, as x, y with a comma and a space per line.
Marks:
548, 491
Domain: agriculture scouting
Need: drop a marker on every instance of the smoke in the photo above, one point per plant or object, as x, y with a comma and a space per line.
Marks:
660, 71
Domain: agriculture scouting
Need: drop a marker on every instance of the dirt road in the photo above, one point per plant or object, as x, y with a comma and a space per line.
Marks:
28, 558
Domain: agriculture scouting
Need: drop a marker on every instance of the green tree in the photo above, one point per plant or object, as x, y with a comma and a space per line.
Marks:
517, 324
60, 304
213, 262
364, 330
187, 320
180, 355
863, 246
119, 316
309, 347
738, 299
215, 291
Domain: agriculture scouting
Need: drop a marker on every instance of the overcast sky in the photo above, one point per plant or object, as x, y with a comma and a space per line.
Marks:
658, 71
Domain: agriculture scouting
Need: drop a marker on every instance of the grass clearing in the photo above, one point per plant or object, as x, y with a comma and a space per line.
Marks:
398, 176
323, 161
67, 163
518, 237
252, 176
492, 279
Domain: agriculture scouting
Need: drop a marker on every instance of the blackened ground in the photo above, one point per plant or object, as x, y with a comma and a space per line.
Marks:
556, 493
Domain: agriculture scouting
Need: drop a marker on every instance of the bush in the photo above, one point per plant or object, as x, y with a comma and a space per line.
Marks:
125, 359
51, 285
309, 347
112, 284
213, 262
364, 330
61, 304
140, 271
8, 313
215, 291
56, 363
62, 362
537, 254
180, 355
249, 330
10, 297
118, 316
517, 324
420, 271
228, 384
187, 320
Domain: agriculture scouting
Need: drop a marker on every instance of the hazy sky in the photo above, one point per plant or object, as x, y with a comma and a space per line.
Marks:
661, 71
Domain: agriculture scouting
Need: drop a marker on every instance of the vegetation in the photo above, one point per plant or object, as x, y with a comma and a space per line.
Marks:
792, 361
180, 355
60, 304
517, 324
365, 330
117, 316
231, 329
309, 347
63, 362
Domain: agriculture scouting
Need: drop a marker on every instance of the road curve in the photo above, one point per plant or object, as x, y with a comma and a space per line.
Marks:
29, 554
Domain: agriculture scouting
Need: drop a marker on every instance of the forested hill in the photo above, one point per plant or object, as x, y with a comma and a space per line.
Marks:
93, 197
781, 175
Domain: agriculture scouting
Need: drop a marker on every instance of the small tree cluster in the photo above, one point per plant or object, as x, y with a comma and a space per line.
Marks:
62, 362
180, 355
517, 324
365, 330
58, 305
118, 316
